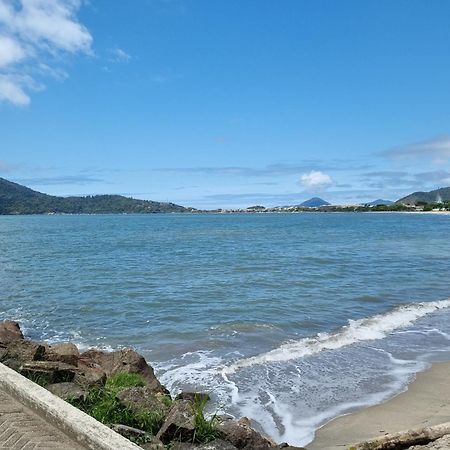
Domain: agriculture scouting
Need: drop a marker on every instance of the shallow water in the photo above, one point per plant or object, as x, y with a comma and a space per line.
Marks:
290, 319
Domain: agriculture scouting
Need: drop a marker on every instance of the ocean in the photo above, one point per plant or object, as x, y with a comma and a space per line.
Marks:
288, 319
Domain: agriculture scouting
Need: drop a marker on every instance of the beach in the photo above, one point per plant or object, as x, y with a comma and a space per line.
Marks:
425, 403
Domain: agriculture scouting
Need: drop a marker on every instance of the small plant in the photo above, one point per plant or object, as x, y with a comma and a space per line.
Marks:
205, 429
42, 379
102, 404
166, 400
120, 381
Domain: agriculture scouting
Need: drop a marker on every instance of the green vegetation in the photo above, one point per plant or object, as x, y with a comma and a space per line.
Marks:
17, 199
205, 429
42, 379
121, 381
442, 194
102, 404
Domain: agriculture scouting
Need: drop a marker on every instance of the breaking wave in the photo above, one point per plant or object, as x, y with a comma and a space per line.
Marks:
367, 329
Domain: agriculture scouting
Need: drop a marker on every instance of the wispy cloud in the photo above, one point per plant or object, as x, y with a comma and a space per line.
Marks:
436, 149
257, 197
279, 169
411, 180
33, 36
79, 180
6, 167
441, 177
119, 56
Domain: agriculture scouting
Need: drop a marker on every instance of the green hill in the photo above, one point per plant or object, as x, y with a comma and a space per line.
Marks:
436, 196
18, 199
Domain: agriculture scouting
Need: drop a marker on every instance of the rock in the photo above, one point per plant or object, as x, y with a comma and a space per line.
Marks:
66, 353
244, 421
122, 361
242, 436
10, 332
193, 397
48, 372
143, 398
67, 390
286, 445
183, 446
18, 352
153, 444
217, 444
90, 376
128, 432
179, 424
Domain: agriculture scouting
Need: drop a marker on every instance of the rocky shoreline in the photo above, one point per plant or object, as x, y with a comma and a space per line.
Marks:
74, 376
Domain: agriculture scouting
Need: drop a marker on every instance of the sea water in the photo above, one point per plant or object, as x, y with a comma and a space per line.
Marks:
289, 319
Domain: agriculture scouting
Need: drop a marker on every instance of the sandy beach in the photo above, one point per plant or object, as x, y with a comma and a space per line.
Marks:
425, 403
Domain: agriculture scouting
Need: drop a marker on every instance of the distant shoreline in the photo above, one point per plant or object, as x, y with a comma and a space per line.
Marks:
227, 212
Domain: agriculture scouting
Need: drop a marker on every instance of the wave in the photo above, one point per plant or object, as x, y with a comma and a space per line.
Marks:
367, 329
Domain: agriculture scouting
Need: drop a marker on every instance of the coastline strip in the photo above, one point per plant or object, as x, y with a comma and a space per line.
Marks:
426, 403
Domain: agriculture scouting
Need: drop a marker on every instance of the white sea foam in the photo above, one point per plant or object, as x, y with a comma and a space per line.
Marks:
367, 329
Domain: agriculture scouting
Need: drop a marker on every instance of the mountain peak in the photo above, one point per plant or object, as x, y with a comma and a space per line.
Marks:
314, 202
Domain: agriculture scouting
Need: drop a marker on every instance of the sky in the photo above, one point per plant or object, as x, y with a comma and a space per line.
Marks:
226, 103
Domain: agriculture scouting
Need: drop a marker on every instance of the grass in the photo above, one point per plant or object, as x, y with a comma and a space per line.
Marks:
102, 404
121, 381
42, 379
205, 429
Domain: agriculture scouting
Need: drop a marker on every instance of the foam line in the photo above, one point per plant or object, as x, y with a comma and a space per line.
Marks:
367, 329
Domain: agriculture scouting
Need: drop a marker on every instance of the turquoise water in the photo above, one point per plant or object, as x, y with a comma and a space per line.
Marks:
290, 319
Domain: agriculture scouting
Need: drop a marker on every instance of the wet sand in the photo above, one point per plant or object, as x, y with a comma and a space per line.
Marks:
425, 403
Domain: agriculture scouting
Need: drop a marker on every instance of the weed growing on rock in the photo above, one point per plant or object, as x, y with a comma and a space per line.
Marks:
102, 404
205, 429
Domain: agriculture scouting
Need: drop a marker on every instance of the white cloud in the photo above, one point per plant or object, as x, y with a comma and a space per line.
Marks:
34, 34
12, 89
10, 51
120, 56
316, 180
437, 149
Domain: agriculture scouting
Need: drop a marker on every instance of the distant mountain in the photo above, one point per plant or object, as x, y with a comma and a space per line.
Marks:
380, 201
18, 199
314, 202
436, 196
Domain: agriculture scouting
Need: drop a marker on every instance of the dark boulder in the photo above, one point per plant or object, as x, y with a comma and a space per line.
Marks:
10, 332
242, 436
285, 445
67, 390
66, 353
217, 444
153, 444
48, 372
194, 397
19, 352
126, 360
179, 424
128, 432
90, 376
144, 399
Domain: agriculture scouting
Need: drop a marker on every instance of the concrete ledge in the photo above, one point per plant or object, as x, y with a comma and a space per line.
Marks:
87, 431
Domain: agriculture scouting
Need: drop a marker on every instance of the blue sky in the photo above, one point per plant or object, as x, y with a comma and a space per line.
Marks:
228, 102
